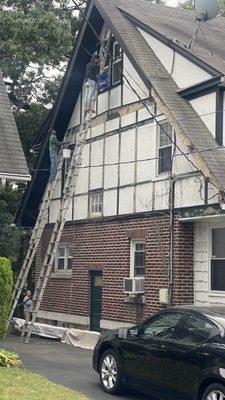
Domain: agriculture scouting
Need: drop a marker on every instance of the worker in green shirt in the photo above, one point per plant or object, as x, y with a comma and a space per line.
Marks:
54, 147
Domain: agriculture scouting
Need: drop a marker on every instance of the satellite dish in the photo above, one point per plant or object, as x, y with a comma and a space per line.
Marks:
206, 9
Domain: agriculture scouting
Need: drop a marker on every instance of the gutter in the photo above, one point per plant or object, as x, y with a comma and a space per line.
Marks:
15, 177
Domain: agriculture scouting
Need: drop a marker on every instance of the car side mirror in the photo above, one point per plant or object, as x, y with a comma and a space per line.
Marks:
125, 333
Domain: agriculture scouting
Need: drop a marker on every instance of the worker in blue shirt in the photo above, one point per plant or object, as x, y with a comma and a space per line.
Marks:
92, 70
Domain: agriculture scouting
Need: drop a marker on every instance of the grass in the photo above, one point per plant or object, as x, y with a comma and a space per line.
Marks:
20, 384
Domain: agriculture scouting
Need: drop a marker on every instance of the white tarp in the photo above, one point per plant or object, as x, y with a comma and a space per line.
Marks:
80, 338
74, 337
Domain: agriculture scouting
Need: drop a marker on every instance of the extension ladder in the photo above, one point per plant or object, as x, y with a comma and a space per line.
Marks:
68, 192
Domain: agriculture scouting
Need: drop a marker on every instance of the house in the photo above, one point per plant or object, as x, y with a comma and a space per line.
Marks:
13, 166
149, 203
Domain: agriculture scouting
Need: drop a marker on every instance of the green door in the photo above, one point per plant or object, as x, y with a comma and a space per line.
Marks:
96, 301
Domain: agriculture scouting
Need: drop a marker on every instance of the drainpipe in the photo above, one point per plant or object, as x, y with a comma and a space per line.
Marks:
171, 240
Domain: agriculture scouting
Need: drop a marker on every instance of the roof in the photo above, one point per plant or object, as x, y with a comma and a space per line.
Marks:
12, 159
124, 17
178, 25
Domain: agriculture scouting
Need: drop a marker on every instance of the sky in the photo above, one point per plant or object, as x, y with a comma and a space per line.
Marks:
171, 2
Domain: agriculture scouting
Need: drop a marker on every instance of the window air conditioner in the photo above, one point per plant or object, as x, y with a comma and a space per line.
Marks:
134, 285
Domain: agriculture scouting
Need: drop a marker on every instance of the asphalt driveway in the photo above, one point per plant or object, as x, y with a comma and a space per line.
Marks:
63, 364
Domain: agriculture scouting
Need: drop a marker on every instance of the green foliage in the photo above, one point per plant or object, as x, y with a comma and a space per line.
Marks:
36, 38
6, 281
8, 359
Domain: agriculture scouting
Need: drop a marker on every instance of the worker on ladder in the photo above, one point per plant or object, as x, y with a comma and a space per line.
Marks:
54, 147
92, 70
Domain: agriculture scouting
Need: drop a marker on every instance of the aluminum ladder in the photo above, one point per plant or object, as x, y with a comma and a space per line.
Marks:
68, 192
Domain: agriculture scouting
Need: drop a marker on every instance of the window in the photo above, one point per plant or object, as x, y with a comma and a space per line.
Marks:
218, 259
96, 203
163, 326
165, 148
197, 330
137, 258
116, 64
64, 257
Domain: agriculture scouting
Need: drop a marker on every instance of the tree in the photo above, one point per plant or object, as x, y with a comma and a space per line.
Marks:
6, 281
35, 45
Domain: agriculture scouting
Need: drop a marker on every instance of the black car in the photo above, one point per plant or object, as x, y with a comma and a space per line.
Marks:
176, 354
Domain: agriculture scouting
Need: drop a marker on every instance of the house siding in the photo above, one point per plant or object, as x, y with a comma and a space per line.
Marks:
105, 246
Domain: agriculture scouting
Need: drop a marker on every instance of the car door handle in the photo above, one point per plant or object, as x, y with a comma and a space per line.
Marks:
163, 347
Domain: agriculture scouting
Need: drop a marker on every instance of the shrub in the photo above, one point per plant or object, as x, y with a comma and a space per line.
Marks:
6, 281
8, 359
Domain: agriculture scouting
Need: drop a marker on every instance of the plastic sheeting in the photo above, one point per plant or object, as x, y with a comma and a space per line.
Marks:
80, 338
74, 337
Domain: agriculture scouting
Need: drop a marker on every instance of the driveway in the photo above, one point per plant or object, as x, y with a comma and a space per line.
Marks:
63, 364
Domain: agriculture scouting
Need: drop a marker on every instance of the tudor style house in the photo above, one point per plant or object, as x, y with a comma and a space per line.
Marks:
13, 166
146, 227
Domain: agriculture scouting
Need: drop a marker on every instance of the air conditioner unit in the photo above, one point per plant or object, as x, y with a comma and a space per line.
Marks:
134, 285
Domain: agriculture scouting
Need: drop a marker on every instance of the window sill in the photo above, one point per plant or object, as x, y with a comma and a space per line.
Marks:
61, 275
217, 294
95, 215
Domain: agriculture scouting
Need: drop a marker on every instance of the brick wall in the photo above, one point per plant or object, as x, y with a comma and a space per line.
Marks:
105, 245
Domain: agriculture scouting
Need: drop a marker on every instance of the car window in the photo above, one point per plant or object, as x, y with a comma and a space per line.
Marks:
162, 326
197, 329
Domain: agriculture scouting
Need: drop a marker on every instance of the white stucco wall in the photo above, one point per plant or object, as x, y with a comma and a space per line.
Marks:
205, 107
183, 71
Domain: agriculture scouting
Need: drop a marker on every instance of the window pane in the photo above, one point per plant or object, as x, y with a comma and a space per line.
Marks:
139, 271
61, 251
197, 330
218, 243
61, 263
140, 246
117, 73
117, 52
139, 259
162, 326
69, 263
70, 251
96, 203
165, 134
218, 275
165, 161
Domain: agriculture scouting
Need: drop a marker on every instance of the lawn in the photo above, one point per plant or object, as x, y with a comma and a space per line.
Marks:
20, 384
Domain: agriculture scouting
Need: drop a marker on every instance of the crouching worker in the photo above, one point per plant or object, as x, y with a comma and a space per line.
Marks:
92, 70
54, 147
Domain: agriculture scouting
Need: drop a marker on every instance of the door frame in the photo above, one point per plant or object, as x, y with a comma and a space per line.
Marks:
92, 275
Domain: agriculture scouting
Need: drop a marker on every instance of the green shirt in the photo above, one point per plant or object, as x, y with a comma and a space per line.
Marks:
54, 143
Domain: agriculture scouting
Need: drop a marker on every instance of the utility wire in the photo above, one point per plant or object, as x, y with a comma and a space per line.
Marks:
141, 100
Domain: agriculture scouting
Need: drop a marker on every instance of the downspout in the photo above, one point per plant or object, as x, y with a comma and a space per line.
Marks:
171, 239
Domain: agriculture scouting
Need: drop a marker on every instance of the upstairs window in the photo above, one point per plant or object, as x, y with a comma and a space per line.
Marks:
114, 63
165, 148
137, 267
96, 203
64, 258
117, 64
218, 260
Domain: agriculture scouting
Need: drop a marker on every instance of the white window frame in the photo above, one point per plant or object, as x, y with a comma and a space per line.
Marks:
161, 173
66, 257
114, 62
213, 292
133, 243
94, 212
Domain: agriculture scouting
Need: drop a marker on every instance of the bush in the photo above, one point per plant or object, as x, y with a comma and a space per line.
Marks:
6, 282
8, 359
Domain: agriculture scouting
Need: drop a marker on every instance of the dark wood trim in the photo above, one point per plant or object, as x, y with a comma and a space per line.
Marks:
201, 89
219, 116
